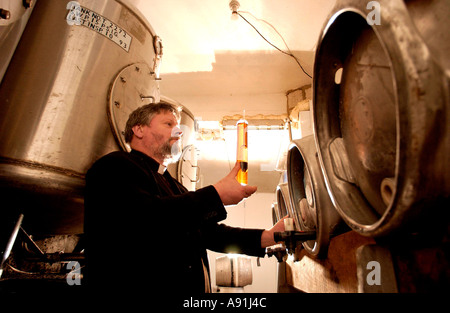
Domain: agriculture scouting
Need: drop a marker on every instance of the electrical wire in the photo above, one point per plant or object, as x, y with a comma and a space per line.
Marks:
271, 26
289, 53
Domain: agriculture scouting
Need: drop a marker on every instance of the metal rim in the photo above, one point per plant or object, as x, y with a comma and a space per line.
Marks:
408, 58
283, 203
307, 191
135, 85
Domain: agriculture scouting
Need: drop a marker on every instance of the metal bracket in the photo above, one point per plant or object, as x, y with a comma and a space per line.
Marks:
10, 243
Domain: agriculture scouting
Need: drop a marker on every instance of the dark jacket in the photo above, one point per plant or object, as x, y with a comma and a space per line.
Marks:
144, 229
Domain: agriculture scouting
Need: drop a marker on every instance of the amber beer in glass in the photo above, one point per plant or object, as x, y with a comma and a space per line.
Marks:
242, 151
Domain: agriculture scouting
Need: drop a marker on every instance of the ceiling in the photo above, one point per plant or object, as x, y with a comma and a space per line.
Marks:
203, 43
216, 65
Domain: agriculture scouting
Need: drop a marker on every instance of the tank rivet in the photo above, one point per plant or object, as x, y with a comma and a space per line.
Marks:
27, 3
5, 14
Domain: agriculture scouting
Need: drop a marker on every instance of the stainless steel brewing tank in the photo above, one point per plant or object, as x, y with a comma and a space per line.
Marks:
381, 110
56, 116
11, 28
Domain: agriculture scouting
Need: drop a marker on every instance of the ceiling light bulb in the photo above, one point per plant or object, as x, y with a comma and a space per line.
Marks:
234, 6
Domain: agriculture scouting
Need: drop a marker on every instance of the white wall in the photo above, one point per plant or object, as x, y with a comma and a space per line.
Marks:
254, 212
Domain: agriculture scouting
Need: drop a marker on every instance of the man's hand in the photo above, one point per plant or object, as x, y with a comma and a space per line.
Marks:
267, 235
230, 190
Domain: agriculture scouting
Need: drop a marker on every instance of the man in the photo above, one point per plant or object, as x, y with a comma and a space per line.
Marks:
142, 226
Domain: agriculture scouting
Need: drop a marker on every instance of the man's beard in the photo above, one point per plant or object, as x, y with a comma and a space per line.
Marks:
170, 153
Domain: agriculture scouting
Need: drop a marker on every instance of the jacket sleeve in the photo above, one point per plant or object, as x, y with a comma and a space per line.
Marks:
118, 189
227, 239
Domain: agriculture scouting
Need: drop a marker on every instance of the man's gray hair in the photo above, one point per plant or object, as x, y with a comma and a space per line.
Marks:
144, 115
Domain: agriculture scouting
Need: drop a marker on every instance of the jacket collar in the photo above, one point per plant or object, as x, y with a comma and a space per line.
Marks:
152, 163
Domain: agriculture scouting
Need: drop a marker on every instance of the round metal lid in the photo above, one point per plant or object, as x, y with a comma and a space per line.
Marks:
133, 87
188, 170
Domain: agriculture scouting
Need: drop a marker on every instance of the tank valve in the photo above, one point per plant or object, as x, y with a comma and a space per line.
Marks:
293, 238
279, 251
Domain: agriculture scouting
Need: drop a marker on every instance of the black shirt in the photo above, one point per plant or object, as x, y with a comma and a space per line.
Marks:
144, 229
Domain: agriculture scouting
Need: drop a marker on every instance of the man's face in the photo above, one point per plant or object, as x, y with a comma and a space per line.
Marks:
162, 136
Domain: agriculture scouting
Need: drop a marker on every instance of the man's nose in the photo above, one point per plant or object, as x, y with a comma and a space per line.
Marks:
176, 132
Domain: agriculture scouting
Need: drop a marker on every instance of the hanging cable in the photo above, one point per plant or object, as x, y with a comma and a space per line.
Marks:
289, 53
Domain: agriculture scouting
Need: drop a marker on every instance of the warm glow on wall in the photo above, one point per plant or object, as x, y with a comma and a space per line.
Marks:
265, 147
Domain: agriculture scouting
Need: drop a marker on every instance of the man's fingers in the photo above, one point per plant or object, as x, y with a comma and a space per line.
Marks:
249, 190
235, 169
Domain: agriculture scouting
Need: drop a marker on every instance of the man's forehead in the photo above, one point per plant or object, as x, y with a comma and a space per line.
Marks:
166, 115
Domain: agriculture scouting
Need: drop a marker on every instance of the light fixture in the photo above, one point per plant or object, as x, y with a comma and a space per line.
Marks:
234, 6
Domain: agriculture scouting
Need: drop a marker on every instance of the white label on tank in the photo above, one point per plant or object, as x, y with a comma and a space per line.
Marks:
79, 15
